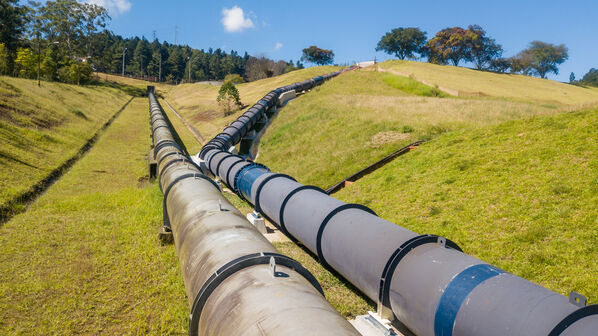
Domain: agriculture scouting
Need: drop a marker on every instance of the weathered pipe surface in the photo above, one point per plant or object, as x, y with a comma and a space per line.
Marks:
426, 281
236, 282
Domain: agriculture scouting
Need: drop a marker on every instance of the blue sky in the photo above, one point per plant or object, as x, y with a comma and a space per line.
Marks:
280, 29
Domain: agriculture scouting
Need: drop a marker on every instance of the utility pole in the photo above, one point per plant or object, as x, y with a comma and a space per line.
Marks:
176, 34
123, 74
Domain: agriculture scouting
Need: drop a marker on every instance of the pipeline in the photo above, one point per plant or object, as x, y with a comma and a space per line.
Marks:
236, 282
424, 281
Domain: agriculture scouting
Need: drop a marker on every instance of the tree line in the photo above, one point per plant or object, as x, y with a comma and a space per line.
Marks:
455, 44
65, 40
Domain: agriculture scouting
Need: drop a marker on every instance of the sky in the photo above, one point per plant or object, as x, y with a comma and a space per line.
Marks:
281, 29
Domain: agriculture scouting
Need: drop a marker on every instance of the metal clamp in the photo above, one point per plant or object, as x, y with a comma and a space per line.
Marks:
395, 259
283, 228
233, 267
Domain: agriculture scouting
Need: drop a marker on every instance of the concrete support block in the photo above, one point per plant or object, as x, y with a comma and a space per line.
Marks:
165, 236
245, 144
152, 165
286, 96
258, 221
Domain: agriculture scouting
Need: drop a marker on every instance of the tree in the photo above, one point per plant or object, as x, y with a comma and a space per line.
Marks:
450, 44
317, 55
541, 58
591, 77
500, 65
26, 63
483, 49
4, 65
572, 78
403, 42
228, 97
12, 26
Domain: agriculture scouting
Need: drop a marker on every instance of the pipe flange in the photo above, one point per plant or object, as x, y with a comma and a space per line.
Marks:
325, 222
233, 267
398, 255
230, 185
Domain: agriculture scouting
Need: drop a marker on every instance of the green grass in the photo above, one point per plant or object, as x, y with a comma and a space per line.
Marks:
197, 102
41, 128
521, 195
412, 86
84, 258
356, 119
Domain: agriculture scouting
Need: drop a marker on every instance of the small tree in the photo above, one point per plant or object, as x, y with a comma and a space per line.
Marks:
572, 78
403, 42
26, 63
228, 98
4, 60
501, 65
317, 55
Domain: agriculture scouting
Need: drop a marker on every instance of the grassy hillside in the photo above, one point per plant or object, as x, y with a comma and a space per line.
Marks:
84, 258
521, 195
361, 116
40, 128
470, 82
197, 102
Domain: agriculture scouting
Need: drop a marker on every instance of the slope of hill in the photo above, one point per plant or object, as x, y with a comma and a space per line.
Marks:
197, 102
41, 128
521, 195
361, 116
468, 82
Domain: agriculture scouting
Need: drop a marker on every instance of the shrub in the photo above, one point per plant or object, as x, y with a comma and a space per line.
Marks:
228, 98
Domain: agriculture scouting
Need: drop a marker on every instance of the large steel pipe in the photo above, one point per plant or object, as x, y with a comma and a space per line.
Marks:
424, 280
236, 282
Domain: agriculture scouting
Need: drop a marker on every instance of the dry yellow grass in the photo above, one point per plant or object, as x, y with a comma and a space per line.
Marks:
493, 84
197, 102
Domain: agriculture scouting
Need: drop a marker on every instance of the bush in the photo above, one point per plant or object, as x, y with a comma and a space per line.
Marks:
234, 78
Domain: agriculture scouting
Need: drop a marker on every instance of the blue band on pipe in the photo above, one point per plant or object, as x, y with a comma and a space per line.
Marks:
247, 176
455, 294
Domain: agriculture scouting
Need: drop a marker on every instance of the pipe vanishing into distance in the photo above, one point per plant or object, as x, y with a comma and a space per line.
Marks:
236, 282
424, 281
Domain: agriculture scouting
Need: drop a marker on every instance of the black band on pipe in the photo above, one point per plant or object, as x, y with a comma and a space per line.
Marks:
163, 143
259, 190
283, 228
574, 317
219, 163
235, 180
231, 185
155, 128
170, 163
165, 217
235, 266
167, 155
398, 255
325, 222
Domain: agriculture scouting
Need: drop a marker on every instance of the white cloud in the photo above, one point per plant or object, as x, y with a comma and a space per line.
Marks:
114, 7
278, 46
234, 20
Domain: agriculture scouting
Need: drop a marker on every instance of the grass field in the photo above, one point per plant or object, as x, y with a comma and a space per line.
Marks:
40, 128
511, 86
361, 116
84, 258
521, 195
197, 102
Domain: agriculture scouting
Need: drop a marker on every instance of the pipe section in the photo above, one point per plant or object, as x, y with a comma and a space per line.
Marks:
424, 281
236, 282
